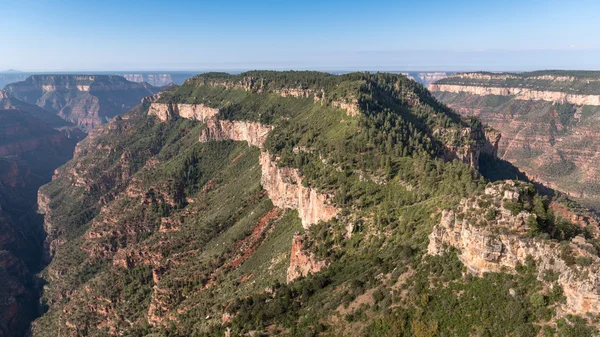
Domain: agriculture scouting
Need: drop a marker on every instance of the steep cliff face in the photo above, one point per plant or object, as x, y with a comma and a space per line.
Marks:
493, 238
548, 123
29, 152
253, 133
168, 111
283, 185
520, 94
285, 188
85, 100
302, 263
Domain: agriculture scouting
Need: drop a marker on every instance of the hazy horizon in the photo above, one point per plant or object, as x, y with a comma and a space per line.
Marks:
74, 36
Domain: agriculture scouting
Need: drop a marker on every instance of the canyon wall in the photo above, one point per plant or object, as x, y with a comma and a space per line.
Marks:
285, 188
520, 94
253, 133
85, 100
157, 80
30, 150
501, 243
549, 135
168, 111
283, 184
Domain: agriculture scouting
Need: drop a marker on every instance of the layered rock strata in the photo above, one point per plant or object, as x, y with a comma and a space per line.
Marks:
85, 100
168, 111
253, 133
520, 93
548, 124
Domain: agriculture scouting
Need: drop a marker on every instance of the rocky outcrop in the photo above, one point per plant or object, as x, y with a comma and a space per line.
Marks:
253, 133
492, 238
465, 145
285, 188
283, 184
520, 93
302, 263
351, 107
168, 111
492, 142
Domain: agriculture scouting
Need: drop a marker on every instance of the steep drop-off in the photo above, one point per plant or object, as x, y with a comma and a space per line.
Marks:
258, 204
85, 100
30, 150
548, 122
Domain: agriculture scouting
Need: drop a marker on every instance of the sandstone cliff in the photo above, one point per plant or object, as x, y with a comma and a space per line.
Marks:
302, 263
253, 133
283, 185
168, 111
494, 239
520, 94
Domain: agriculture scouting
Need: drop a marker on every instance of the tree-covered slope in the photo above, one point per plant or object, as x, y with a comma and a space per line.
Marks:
284, 203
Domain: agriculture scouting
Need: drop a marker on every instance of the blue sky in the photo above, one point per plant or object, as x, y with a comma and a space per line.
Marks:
370, 35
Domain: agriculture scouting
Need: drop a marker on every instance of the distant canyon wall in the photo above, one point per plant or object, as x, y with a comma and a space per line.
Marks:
550, 135
520, 93
85, 100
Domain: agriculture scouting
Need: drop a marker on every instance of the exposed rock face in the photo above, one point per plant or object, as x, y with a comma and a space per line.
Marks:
520, 94
253, 133
283, 184
500, 244
302, 263
549, 136
493, 138
351, 107
285, 188
168, 111
85, 100
466, 146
